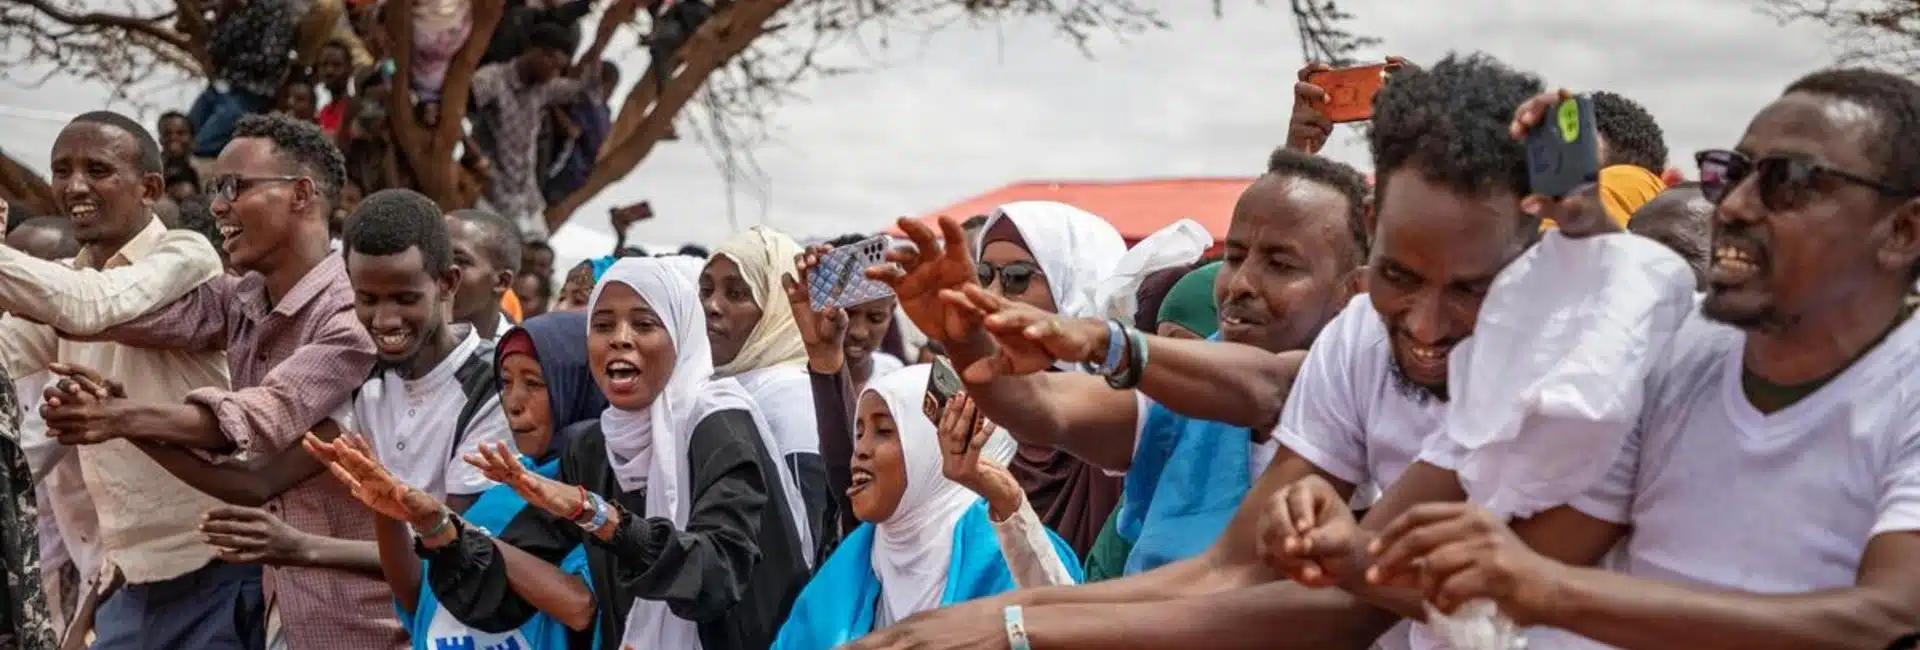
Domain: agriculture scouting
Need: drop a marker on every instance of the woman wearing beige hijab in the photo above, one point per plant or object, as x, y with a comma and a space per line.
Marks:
755, 341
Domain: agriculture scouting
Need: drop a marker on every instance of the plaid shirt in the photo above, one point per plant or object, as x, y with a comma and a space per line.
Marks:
293, 364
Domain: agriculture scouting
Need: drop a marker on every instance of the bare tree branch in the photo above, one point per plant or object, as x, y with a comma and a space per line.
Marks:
1877, 32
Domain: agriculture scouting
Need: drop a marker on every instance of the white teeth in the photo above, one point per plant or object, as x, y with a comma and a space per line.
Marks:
1733, 259
229, 231
81, 211
392, 340
1427, 353
622, 366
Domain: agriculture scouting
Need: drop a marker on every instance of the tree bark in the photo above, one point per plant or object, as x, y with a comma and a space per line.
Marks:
429, 152
647, 119
19, 183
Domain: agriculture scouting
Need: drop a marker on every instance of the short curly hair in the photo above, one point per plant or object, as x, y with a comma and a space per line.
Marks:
1633, 137
1449, 122
304, 145
1349, 182
389, 222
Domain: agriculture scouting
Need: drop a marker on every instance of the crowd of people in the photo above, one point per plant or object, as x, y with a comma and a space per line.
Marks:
1430, 408
536, 120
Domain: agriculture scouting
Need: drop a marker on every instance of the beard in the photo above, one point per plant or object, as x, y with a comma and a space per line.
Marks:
1421, 394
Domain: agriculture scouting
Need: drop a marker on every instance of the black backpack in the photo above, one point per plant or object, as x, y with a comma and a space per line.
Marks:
479, 382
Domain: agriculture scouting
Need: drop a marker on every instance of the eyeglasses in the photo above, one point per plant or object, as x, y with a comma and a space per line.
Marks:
1783, 181
230, 187
1014, 276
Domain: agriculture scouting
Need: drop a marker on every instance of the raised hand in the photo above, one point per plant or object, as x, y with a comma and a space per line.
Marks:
252, 536
1309, 535
1578, 214
1308, 127
917, 276
964, 432
1457, 552
1027, 340
824, 332
351, 460
501, 464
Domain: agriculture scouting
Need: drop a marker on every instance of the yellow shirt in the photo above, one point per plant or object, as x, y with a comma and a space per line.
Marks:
148, 519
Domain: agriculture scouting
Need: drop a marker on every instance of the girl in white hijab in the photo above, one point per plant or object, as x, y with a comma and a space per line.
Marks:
930, 539
688, 516
755, 341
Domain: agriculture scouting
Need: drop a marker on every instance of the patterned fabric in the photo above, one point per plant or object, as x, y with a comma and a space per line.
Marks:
253, 48
509, 116
24, 622
293, 364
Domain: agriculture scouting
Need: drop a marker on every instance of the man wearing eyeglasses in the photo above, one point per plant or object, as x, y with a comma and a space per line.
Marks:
1776, 496
296, 353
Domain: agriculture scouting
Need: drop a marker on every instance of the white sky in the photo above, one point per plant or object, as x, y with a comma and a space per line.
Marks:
969, 109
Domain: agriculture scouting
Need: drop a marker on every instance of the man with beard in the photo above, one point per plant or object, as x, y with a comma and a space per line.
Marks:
122, 515
296, 353
1795, 372
486, 248
1292, 259
1366, 403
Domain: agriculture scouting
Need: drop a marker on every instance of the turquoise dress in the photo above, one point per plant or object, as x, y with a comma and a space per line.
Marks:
839, 604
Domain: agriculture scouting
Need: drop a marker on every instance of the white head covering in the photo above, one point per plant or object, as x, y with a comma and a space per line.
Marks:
648, 448
914, 546
688, 265
1076, 249
764, 256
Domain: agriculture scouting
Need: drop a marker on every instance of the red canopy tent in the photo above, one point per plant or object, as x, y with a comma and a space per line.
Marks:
1136, 208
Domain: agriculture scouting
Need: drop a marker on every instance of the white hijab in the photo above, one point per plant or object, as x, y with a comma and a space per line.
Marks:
913, 548
1076, 249
648, 448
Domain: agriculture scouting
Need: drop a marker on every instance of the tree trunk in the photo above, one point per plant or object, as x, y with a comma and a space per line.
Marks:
19, 183
429, 152
645, 119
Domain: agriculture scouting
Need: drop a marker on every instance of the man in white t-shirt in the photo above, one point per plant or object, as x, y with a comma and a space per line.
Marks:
1370, 396
1776, 501
433, 398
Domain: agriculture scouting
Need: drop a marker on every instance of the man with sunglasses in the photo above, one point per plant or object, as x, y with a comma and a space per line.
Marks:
296, 353
1795, 373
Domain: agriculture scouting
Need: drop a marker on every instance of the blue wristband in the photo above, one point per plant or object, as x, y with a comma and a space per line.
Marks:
1017, 629
599, 508
1116, 346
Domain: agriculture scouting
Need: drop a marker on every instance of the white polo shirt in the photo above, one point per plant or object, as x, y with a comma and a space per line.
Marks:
411, 422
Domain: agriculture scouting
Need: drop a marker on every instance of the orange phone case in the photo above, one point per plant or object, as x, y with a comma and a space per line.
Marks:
1350, 91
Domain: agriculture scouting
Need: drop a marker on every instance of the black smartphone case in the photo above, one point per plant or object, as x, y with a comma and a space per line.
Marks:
1563, 152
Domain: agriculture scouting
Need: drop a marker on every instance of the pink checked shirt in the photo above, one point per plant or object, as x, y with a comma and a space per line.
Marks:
292, 364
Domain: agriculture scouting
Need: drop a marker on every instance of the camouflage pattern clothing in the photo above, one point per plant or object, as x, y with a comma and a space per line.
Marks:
24, 622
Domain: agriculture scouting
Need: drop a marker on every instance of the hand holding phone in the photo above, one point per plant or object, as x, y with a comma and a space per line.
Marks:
942, 384
1563, 150
841, 279
1348, 92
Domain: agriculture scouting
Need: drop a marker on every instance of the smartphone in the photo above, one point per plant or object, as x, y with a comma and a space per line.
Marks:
1350, 91
1563, 152
840, 280
942, 384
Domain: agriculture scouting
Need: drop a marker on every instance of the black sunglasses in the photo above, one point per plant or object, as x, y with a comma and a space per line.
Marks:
1014, 276
230, 187
1783, 181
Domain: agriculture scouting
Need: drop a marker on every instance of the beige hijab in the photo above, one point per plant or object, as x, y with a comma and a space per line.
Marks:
763, 256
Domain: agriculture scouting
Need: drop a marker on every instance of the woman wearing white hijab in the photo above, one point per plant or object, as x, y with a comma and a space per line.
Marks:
687, 514
1054, 257
930, 538
755, 341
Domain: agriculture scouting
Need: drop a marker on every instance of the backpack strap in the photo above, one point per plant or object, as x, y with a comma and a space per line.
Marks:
479, 381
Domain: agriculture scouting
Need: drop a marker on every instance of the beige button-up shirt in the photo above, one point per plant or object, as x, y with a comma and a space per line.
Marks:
148, 520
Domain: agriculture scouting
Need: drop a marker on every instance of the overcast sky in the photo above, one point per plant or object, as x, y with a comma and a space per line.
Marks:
967, 110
